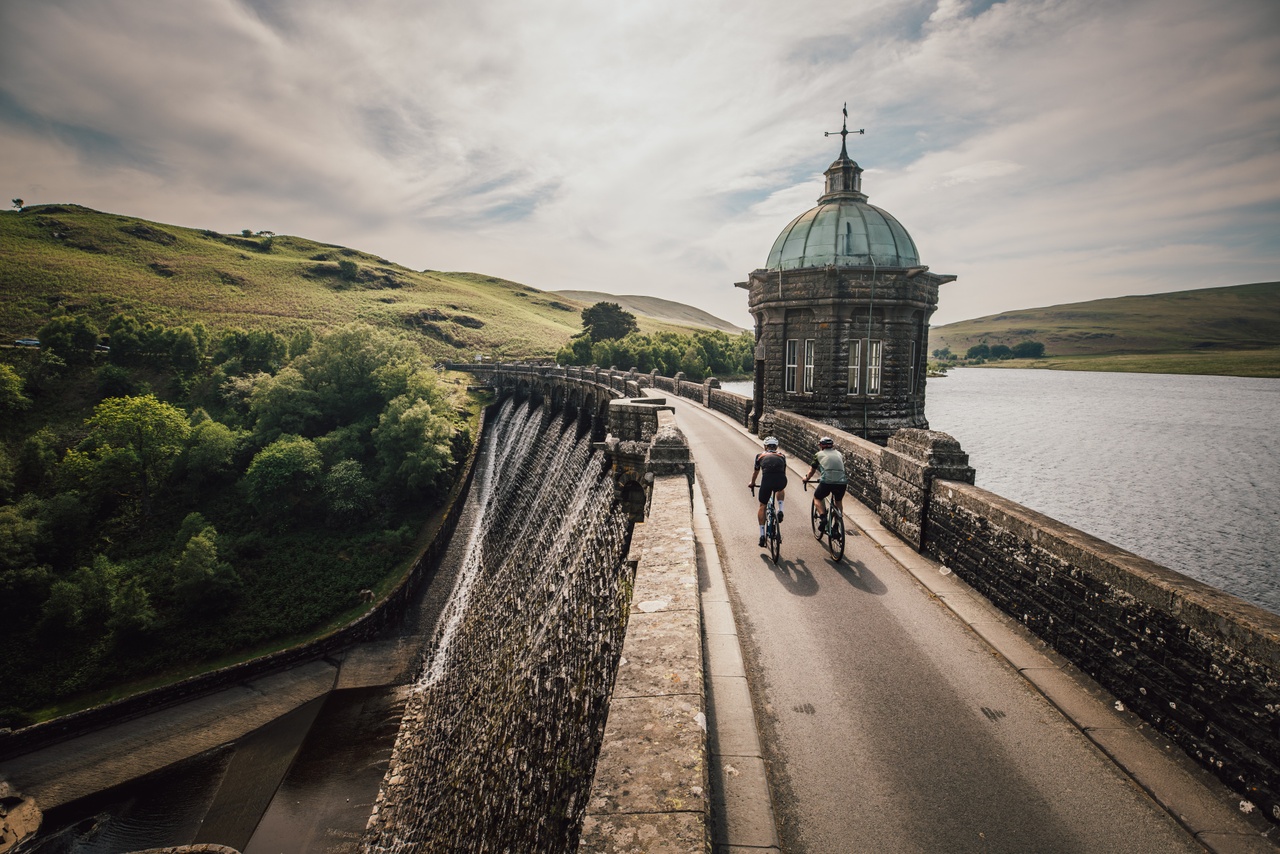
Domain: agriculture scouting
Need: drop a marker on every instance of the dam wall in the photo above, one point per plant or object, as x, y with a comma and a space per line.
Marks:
504, 729
500, 733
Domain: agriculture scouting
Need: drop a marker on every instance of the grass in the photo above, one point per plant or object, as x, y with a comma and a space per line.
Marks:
1231, 331
104, 264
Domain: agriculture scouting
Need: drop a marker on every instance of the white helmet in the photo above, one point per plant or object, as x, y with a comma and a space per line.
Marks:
771, 442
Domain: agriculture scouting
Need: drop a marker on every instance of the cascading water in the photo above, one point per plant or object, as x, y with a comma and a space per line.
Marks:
499, 739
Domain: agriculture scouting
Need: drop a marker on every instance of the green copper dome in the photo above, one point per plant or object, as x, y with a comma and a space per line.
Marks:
843, 229
844, 232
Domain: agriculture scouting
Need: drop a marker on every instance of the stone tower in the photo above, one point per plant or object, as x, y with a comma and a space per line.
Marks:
841, 312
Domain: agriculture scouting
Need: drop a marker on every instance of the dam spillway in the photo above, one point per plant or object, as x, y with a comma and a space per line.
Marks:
501, 730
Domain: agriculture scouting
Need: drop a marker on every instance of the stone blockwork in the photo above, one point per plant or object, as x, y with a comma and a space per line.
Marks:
840, 312
735, 406
1201, 665
650, 791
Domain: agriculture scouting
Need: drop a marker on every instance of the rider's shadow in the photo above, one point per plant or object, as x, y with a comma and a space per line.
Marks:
793, 575
857, 574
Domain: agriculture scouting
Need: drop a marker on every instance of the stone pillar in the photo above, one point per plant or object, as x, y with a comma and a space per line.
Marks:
708, 384
913, 459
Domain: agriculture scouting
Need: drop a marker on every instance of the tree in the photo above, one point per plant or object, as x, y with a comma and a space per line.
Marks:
11, 397
978, 351
413, 442
1028, 350
138, 437
124, 332
1001, 351
606, 320
348, 492
201, 581
71, 337
283, 473
19, 205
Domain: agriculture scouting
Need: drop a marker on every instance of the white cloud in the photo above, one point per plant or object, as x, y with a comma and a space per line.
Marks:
1042, 149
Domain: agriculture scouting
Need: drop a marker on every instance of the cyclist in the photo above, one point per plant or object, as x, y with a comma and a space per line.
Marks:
833, 481
771, 466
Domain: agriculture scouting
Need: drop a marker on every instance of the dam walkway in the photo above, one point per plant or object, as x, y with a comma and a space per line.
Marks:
877, 704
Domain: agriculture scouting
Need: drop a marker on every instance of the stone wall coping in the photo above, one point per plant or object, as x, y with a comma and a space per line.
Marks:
1202, 607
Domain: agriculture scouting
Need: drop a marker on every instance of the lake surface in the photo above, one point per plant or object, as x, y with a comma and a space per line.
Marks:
1183, 470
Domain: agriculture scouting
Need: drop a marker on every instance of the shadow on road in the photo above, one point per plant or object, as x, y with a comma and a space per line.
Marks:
793, 575
856, 573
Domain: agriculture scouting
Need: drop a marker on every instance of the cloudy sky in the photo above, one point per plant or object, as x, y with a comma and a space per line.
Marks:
1045, 151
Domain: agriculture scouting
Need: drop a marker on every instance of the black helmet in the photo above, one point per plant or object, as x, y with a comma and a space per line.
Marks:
825, 442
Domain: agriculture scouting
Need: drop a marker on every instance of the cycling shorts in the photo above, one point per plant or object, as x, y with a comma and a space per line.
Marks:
771, 483
825, 489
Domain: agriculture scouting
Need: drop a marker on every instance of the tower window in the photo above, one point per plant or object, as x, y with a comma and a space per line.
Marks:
808, 365
855, 365
873, 366
789, 375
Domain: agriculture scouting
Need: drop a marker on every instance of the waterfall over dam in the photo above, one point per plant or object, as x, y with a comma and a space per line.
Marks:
499, 737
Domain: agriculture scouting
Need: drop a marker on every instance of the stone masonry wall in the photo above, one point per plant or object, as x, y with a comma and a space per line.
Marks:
735, 406
1200, 664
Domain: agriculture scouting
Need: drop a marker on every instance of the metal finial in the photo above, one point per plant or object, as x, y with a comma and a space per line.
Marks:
844, 132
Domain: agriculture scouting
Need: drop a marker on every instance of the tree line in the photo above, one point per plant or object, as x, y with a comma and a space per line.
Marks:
172, 495
611, 337
983, 352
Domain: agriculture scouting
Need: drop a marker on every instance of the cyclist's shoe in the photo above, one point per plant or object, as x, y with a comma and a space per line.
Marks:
780, 515
822, 521
762, 541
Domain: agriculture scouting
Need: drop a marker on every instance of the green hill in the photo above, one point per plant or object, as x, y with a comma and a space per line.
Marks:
103, 264
1233, 331
656, 309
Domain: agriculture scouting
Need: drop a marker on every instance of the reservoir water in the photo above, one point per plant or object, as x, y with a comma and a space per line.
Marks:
1183, 470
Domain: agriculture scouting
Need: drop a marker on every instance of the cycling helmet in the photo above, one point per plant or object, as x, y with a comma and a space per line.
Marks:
825, 442
771, 442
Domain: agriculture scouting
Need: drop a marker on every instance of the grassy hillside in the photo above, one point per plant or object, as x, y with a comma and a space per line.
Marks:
655, 309
103, 264
1233, 331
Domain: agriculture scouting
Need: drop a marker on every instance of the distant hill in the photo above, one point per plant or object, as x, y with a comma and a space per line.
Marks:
655, 308
103, 264
1232, 330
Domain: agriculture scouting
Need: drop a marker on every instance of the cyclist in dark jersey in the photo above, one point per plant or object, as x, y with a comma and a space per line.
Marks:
771, 467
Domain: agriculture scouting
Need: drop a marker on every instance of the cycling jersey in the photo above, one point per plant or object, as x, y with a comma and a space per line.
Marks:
831, 463
772, 466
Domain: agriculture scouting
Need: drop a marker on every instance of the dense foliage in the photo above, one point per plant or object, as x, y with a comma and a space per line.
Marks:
700, 355
169, 497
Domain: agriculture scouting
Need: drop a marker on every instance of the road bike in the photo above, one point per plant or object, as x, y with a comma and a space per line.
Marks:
833, 530
772, 530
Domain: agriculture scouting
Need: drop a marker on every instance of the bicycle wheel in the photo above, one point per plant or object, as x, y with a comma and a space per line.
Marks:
815, 522
835, 539
773, 532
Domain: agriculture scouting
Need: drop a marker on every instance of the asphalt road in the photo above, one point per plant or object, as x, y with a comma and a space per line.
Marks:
888, 725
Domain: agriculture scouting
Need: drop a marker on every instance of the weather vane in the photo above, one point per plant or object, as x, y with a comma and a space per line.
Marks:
844, 130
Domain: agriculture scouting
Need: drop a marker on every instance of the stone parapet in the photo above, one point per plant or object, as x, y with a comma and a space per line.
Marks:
913, 459
650, 791
1201, 665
